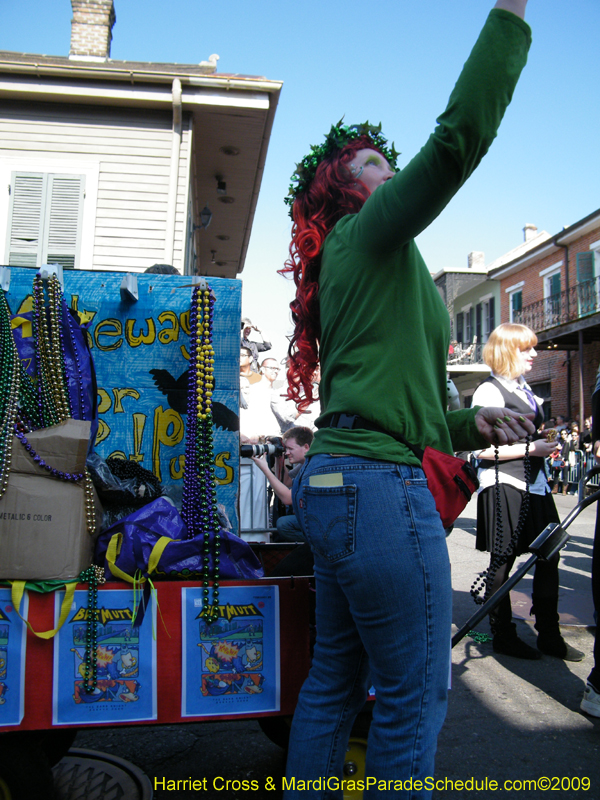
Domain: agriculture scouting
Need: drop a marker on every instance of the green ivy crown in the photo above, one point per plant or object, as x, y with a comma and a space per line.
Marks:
337, 138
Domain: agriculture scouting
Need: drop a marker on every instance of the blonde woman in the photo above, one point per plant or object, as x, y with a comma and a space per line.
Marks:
509, 353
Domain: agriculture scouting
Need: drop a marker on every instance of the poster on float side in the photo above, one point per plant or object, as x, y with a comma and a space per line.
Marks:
126, 684
13, 635
231, 666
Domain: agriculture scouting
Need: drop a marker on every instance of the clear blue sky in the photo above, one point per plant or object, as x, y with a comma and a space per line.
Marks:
393, 61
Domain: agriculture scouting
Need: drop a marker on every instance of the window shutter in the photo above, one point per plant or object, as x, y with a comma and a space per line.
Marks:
492, 313
45, 218
27, 200
478, 327
585, 267
459, 327
586, 285
63, 221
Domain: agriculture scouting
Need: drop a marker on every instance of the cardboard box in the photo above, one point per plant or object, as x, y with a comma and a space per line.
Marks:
43, 527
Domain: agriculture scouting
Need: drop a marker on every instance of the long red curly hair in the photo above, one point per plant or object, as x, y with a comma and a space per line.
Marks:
332, 194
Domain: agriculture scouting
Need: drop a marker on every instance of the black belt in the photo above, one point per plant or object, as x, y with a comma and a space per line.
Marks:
356, 422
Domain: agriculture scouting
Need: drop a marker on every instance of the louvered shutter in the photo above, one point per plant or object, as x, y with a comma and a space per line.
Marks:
45, 219
63, 221
26, 216
586, 285
492, 313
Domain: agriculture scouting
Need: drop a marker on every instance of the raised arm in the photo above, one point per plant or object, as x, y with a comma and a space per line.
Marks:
514, 6
403, 207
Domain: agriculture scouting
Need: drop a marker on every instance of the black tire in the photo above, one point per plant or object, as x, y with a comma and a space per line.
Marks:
25, 772
57, 743
277, 729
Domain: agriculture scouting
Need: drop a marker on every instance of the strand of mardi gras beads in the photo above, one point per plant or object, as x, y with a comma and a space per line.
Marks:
59, 369
46, 402
93, 576
9, 392
199, 505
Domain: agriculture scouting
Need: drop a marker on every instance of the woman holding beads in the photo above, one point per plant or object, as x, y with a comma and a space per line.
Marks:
381, 563
521, 490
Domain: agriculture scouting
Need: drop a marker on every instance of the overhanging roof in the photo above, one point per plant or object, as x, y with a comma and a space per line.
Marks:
232, 115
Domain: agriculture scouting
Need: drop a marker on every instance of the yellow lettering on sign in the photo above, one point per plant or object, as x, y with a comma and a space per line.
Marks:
167, 335
221, 463
134, 340
111, 328
119, 394
103, 432
104, 401
168, 431
184, 318
177, 467
139, 422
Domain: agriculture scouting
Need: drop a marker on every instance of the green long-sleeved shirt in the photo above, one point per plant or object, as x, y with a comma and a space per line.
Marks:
385, 330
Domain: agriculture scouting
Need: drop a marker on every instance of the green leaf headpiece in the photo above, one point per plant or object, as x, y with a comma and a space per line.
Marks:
337, 138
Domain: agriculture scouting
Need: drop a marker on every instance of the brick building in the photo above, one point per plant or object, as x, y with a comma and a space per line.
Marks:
554, 288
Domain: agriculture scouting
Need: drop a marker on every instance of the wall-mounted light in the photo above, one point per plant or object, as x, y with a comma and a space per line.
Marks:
205, 218
213, 253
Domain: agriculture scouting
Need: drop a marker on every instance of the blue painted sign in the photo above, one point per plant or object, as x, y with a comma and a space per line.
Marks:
141, 356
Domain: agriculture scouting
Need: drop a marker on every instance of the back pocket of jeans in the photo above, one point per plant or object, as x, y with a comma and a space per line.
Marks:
329, 518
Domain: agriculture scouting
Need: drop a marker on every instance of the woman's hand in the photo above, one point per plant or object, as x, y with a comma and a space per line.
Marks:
501, 426
515, 6
542, 448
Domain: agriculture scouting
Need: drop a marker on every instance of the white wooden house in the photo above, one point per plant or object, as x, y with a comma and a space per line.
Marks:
108, 165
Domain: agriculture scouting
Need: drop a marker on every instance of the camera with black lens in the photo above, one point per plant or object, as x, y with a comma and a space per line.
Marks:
272, 448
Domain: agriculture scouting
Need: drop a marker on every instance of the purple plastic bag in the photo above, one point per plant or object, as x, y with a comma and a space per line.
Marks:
182, 559
78, 361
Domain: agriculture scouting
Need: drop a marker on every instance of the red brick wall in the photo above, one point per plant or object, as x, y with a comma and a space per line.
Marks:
553, 366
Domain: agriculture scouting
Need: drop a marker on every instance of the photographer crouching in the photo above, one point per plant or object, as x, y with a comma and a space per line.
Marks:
296, 443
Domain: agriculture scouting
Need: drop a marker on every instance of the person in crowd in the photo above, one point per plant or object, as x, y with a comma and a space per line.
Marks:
556, 464
269, 369
590, 702
561, 422
254, 347
284, 409
383, 592
509, 353
565, 452
296, 442
256, 418
246, 371
162, 269
585, 440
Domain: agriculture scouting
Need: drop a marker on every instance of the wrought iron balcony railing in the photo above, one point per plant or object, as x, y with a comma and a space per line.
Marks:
466, 354
569, 305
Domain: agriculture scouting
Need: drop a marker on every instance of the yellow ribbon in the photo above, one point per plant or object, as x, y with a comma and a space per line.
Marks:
17, 589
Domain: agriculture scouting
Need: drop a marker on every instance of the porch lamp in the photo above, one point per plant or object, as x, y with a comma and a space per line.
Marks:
205, 218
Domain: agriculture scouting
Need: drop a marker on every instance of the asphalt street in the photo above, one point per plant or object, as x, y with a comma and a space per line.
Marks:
508, 720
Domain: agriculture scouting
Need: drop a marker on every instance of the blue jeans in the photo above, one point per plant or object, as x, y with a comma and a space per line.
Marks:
288, 529
383, 617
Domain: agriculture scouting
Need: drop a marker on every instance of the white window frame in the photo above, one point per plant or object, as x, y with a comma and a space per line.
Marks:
549, 310
510, 291
595, 248
90, 169
485, 317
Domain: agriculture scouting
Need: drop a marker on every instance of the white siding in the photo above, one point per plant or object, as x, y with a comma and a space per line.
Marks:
132, 150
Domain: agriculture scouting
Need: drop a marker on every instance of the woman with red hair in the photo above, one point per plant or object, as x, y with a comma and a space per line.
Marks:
368, 312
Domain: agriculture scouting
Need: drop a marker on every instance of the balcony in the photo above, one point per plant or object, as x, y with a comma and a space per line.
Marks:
578, 305
465, 354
